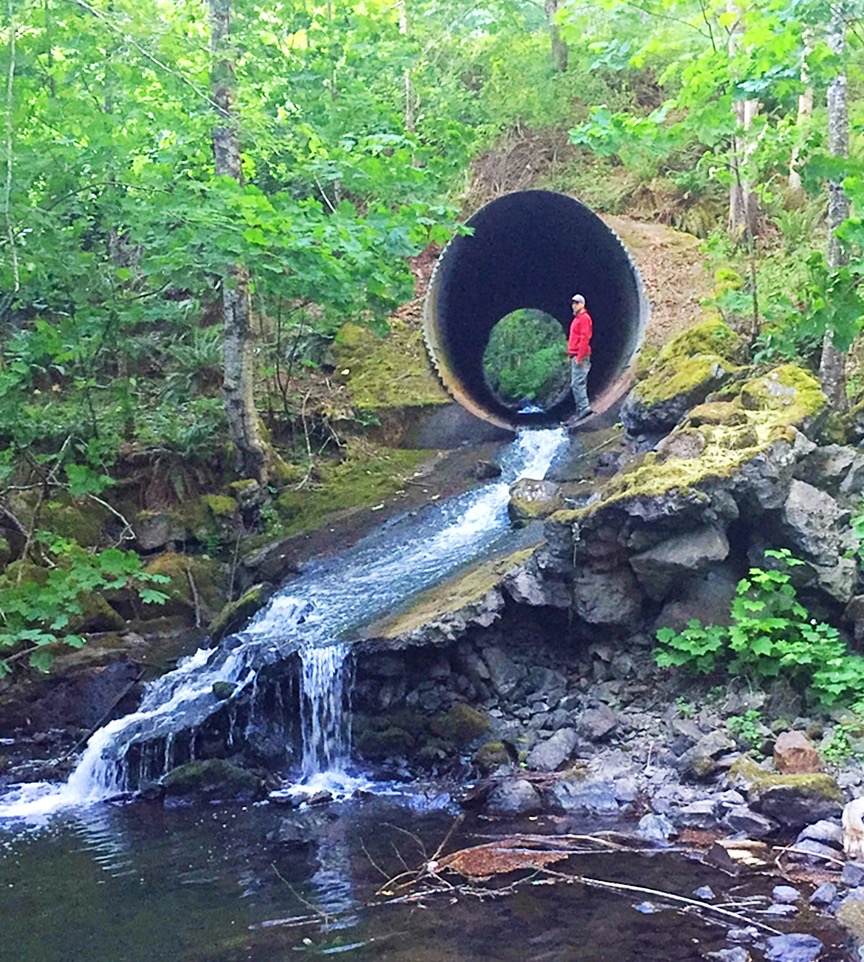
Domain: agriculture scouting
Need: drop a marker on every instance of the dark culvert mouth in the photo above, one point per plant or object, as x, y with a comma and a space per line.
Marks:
533, 249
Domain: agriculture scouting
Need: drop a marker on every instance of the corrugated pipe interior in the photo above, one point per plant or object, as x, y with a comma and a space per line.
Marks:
533, 249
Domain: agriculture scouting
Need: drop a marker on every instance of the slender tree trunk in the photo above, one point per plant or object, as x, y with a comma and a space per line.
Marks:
560, 50
407, 79
743, 210
832, 368
240, 410
805, 111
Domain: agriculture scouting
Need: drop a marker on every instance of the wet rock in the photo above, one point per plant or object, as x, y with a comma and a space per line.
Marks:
587, 796
793, 947
824, 894
301, 828
515, 796
274, 562
596, 724
792, 800
826, 832
211, 780
785, 894
487, 470
235, 614
656, 828
224, 689
552, 753
531, 499
701, 814
853, 874
814, 852
705, 892
736, 954
794, 753
663, 567
701, 759
745, 821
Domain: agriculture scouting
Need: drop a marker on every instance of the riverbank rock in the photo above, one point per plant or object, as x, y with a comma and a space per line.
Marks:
690, 366
531, 499
212, 780
514, 796
794, 753
792, 800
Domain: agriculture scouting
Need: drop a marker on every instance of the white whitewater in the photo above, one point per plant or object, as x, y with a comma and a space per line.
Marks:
311, 616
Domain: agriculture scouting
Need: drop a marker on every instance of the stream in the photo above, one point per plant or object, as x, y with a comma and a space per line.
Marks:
86, 875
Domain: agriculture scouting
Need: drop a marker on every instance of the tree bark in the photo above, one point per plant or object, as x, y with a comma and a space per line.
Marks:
238, 381
743, 210
805, 111
832, 367
560, 50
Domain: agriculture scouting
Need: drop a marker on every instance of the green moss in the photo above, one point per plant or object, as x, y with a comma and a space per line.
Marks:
220, 505
710, 337
236, 613
213, 777
240, 487
184, 571
490, 756
684, 375
449, 597
75, 523
389, 371
734, 433
461, 725
756, 780
368, 475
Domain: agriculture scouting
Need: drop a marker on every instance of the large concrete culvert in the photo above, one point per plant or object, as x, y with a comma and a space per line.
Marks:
533, 249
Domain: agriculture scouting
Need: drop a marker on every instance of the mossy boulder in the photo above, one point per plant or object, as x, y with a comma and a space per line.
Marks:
159, 528
491, 756
195, 589
792, 800
212, 780
686, 370
461, 726
82, 522
235, 614
531, 499
749, 452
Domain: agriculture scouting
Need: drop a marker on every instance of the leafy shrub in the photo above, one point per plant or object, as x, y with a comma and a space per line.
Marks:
771, 634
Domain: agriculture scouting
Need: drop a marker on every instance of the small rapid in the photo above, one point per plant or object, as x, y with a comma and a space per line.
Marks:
311, 617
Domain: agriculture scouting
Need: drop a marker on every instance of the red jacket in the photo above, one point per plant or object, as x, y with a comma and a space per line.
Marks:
579, 342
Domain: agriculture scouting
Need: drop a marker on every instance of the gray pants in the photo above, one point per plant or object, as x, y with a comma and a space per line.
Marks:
579, 384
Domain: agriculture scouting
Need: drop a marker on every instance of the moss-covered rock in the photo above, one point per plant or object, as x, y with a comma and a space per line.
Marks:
793, 800
220, 505
491, 756
195, 589
82, 522
235, 614
686, 370
531, 499
210, 780
734, 438
461, 725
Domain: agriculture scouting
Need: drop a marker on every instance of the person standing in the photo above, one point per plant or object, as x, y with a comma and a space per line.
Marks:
579, 351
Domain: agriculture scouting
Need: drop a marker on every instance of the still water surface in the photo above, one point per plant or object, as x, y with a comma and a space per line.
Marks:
146, 884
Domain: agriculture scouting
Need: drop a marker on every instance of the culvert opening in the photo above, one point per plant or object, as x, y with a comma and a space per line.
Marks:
525, 361
532, 250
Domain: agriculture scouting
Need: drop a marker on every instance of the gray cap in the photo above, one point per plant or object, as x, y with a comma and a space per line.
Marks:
578, 297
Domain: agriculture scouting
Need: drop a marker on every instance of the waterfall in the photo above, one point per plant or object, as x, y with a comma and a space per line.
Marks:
314, 617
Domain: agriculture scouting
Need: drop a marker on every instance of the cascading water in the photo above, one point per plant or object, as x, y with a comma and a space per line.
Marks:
313, 616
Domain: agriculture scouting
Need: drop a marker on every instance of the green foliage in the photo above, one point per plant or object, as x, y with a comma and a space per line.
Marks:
41, 611
526, 358
842, 746
770, 634
746, 729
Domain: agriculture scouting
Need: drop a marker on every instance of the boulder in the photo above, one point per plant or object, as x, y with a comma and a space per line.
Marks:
274, 562
552, 753
792, 800
158, 529
504, 673
608, 598
662, 568
708, 597
794, 752
793, 947
514, 796
588, 796
595, 724
531, 499
750, 824
811, 523
211, 780
701, 759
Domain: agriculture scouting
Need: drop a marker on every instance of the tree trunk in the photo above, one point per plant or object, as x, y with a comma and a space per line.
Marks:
560, 50
805, 111
832, 367
408, 80
743, 210
238, 381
